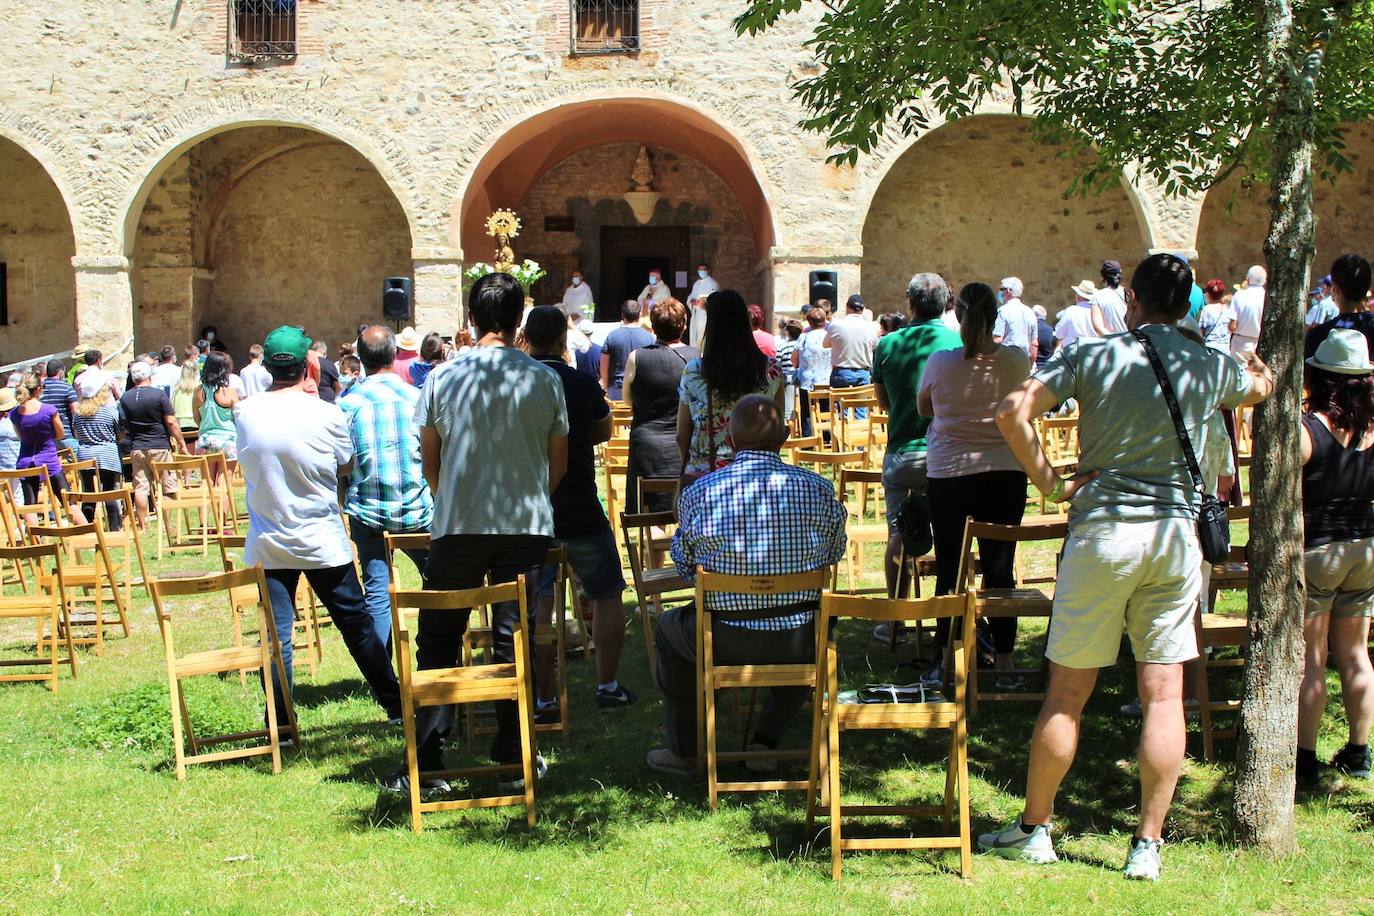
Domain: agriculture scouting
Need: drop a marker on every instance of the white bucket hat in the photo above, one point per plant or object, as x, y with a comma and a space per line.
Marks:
409, 339
1087, 289
1345, 352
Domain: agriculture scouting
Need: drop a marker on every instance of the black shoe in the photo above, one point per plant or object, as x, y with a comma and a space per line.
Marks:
394, 717
398, 783
547, 715
1350, 762
619, 698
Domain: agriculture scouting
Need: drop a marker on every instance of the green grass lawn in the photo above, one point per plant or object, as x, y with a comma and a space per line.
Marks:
98, 822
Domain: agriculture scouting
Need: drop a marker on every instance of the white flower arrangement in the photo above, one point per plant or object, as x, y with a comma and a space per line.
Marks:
528, 272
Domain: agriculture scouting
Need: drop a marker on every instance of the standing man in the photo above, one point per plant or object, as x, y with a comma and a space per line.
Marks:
329, 373
578, 295
1248, 307
255, 378
292, 449
1016, 324
579, 522
1044, 336
1076, 320
657, 291
898, 365
704, 286
167, 373
494, 445
387, 490
150, 422
1324, 307
851, 340
59, 393
620, 343
1131, 561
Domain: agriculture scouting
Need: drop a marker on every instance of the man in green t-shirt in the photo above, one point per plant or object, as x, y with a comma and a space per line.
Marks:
898, 363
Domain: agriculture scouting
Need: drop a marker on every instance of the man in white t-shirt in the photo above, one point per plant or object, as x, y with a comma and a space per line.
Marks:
168, 371
696, 303
292, 448
1108, 304
1077, 320
578, 295
255, 378
1016, 324
1248, 307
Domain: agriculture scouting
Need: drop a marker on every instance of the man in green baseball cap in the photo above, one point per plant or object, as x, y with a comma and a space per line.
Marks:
286, 346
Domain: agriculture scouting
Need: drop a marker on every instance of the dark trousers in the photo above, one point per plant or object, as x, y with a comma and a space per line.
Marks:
675, 644
995, 496
339, 590
466, 561
109, 480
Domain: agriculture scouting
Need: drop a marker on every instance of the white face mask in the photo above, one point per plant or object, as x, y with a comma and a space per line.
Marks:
577, 281
653, 279
703, 274
209, 335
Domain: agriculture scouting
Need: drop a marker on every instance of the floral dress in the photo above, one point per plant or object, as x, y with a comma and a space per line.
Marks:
709, 450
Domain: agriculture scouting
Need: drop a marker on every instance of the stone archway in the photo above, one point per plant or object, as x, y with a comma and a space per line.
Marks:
255, 226
1235, 216
978, 199
37, 245
572, 163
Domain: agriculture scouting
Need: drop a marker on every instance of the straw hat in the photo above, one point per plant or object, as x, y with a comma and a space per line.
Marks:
1345, 352
408, 339
7, 400
1086, 290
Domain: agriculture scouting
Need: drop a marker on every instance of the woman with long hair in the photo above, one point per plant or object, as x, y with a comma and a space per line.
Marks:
96, 424
730, 367
40, 429
812, 360
970, 469
653, 375
214, 405
184, 399
1338, 547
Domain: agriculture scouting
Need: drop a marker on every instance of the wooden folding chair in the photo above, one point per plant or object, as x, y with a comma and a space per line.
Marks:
92, 578
551, 643
833, 716
46, 606
126, 540
712, 677
176, 532
77, 480
264, 657
818, 402
819, 460
306, 641
46, 505
861, 528
1215, 631
653, 584
12, 534
221, 480
1005, 602
795, 444
465, 685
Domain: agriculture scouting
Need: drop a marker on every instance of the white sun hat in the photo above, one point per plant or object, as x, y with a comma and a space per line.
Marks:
1345, 352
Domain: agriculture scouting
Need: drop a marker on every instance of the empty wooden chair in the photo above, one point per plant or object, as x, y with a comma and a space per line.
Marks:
827, 463
127, 540
44, 605
236, 658
1216, 631
832, 716
712, 676
41, 504
306, 641
653, 584
465, 685
195, 496
87, 574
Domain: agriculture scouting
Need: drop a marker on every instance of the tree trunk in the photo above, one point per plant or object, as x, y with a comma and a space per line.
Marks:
1266, 755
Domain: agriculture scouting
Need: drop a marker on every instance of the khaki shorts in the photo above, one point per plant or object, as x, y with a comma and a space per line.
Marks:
1340, 578
141, 459
1143, 577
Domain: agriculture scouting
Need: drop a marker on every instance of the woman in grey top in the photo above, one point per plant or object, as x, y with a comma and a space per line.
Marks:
96, 423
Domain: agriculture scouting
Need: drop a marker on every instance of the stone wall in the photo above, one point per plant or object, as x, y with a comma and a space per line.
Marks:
1235, 217
979, 201
36, 247
587, 188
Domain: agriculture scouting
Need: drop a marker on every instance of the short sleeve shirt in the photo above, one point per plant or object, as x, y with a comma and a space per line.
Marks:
577, 510
1124, 429
898, 364
494, 409
1016, 325
146, 410
711, 417
963, 437
1112, 302
620, 343
852, 340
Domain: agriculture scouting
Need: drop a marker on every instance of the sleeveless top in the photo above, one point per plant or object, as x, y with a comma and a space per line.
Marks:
216, 421
1337, 488
654, 394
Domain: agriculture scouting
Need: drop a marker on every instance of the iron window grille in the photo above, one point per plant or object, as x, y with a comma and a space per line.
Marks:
604, 26
262, 30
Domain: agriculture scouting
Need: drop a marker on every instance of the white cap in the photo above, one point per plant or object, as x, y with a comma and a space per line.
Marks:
138, 371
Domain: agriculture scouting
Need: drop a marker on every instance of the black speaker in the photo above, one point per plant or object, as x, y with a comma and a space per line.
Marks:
825, 285
396, 297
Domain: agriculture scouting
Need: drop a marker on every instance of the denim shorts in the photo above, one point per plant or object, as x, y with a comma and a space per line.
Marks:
595, 560
904, 474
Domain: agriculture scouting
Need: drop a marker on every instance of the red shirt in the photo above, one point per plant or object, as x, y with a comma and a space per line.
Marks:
766, 343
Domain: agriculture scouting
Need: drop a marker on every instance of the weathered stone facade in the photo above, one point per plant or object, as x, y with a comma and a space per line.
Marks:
194, 188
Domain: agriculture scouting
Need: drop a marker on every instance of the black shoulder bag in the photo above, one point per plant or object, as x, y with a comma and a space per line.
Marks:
1213, 527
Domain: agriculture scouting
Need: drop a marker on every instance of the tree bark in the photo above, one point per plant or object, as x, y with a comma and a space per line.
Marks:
1267, 749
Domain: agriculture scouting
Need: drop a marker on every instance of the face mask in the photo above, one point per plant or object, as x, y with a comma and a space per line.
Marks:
1001, 296
703, 274
209, 335
346, 380
653, 279
577, 281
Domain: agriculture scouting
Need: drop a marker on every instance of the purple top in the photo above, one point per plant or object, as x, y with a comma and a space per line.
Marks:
36, 443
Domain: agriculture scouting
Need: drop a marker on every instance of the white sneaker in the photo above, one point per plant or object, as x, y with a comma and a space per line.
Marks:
1011, 842
1143, 862
517, 783
883, 632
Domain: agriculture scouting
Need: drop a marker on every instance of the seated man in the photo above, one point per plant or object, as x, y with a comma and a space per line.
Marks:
760, 517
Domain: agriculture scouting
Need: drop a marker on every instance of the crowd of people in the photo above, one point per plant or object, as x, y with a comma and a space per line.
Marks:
488, 446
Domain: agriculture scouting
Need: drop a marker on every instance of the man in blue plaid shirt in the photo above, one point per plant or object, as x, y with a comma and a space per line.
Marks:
387, 491
755, 517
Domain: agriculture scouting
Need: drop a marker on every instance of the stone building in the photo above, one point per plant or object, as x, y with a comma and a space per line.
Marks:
166, 165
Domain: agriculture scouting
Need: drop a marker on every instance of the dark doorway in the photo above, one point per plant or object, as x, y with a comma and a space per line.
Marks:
628, 253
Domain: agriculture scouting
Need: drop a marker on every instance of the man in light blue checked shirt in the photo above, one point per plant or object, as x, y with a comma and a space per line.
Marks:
755, 517
387, 491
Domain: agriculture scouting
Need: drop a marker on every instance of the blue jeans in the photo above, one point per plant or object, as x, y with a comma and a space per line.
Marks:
377, 575
851, 378
338, 589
